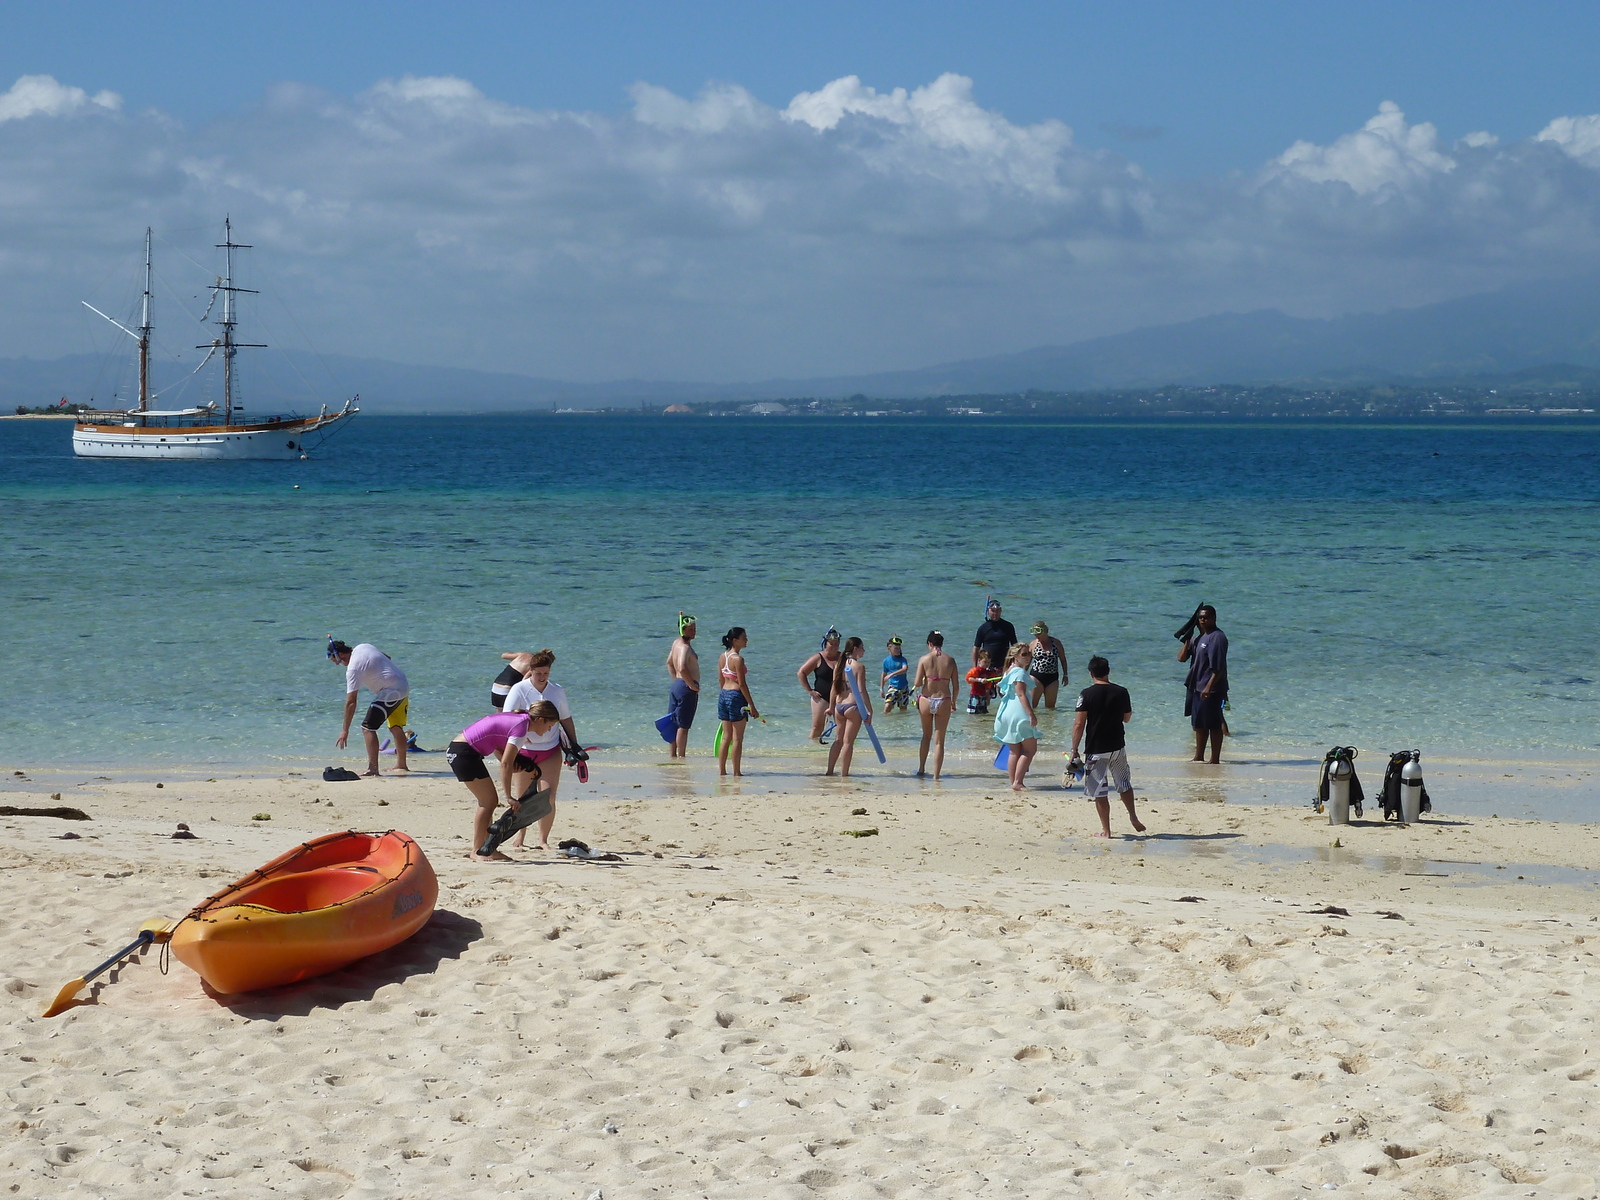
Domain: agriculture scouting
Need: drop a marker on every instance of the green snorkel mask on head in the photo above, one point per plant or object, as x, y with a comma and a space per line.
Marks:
684, 621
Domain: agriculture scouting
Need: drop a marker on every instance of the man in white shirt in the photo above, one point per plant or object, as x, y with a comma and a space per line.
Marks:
365, 666
543, 749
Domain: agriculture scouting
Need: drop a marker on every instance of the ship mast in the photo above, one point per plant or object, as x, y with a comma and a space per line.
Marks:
229, 319
144, 332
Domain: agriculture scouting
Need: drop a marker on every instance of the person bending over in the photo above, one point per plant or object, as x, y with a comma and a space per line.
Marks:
501, 735
510, 675
365, 666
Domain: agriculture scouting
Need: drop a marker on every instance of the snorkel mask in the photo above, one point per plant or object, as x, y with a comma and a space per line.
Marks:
831, 636
684, 621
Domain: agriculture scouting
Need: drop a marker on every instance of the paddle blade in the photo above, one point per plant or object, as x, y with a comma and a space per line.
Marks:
64, 998
155, 930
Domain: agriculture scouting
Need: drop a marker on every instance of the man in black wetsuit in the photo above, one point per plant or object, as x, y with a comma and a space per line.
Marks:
994, 640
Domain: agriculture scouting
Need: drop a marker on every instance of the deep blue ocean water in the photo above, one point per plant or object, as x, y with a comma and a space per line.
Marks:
1429, 586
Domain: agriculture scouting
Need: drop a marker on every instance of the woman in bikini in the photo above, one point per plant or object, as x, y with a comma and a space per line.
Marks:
1049, 667
734, 705
936, 680
821, 667
847, 713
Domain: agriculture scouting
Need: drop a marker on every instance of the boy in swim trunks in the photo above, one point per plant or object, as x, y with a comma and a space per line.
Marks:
892, 683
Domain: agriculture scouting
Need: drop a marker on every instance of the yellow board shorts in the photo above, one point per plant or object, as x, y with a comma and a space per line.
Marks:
392, 715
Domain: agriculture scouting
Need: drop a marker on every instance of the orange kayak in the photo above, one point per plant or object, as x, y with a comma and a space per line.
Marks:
315, 909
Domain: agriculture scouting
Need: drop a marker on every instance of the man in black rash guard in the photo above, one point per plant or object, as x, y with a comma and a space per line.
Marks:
516, 667
994, 640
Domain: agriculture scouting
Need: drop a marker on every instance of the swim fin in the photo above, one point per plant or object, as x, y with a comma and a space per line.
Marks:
534, 805
667, 728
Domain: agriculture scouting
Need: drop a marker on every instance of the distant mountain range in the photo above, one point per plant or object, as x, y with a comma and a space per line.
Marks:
1516, 332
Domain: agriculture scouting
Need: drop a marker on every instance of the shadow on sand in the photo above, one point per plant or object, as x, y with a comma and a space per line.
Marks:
446, 935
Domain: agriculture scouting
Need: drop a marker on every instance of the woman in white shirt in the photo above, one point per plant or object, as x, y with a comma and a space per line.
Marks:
544, 750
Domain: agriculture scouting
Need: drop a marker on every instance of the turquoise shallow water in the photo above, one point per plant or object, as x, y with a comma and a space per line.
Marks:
1387, 587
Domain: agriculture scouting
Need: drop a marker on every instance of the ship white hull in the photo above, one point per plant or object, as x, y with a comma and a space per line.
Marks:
286, 441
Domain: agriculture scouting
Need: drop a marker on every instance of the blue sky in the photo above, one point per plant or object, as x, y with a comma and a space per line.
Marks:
733, 190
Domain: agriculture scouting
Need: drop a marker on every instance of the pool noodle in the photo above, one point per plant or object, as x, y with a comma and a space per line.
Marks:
861, 703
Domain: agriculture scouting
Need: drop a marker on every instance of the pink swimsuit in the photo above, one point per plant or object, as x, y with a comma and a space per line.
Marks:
490, 735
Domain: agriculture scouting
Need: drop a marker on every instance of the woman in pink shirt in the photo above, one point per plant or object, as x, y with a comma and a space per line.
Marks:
502, 735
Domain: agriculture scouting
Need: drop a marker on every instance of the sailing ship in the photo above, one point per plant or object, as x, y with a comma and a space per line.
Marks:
205, 431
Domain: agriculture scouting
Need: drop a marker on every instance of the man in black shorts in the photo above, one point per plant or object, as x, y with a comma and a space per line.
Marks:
1103, 709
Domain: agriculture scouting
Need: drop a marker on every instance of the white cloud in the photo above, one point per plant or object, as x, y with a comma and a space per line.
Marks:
717, 237
965, 139
1576, 136
1383, 152
41, 95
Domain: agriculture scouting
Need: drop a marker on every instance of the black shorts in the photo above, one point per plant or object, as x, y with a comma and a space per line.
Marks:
466, 762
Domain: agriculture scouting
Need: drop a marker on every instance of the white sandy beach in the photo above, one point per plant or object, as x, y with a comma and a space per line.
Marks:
979, 999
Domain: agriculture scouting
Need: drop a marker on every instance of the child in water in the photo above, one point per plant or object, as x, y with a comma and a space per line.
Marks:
892, 682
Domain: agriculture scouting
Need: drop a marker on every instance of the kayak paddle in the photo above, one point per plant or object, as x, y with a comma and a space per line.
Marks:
151, 931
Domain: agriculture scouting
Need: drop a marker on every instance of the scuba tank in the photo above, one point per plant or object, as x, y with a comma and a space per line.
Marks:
1404, 797
1338, 789
1411, 788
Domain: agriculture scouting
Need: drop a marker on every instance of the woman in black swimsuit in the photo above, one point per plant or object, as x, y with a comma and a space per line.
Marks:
821, 667
1049, 665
